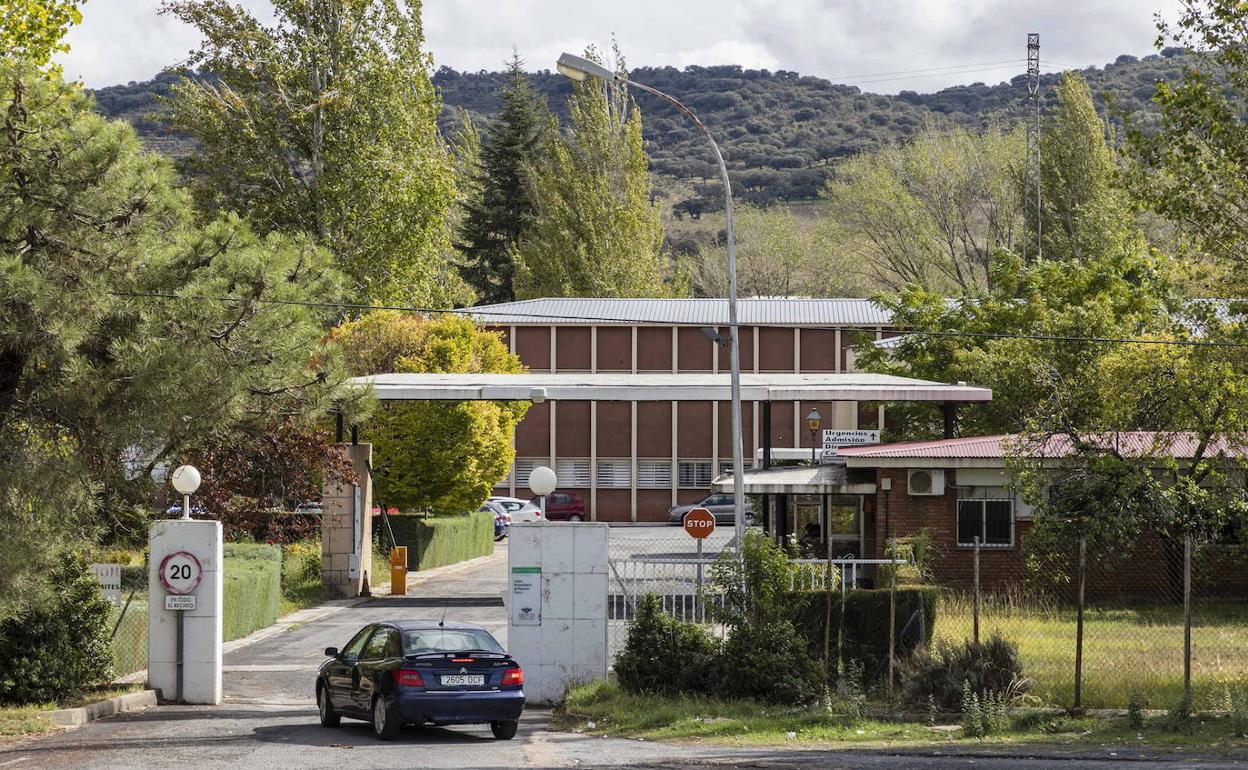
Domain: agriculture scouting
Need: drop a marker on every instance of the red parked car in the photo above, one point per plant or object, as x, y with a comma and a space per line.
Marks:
564, 506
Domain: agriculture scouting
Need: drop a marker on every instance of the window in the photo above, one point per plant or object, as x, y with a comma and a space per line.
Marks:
989, 519
726, 466
694, 474
376, 647
614, 473
352, 650
573, 473
448, 640
520, 471
654, 474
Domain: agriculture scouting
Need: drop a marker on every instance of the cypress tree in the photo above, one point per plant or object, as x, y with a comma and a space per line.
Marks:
503, 207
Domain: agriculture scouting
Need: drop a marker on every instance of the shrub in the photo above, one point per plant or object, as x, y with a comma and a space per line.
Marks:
665, 656
434, 541
769, 662
1135, 710
60, 649
988, 667
866, 624
253, 588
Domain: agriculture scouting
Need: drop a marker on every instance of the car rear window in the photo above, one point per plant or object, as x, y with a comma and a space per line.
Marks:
448, 640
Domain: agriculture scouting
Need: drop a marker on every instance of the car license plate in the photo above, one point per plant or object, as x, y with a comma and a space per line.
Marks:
461, 680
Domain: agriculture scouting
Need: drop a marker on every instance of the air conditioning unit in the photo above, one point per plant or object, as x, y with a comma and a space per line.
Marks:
925, 482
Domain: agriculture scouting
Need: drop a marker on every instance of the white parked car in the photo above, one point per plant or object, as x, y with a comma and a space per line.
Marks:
522, 511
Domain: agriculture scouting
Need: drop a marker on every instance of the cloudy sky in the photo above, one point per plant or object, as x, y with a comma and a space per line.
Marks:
881, 45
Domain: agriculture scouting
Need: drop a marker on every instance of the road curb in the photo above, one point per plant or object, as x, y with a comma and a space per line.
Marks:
76, 717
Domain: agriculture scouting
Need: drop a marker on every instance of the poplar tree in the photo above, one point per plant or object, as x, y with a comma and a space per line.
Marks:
326, 123
503, 208
597, 232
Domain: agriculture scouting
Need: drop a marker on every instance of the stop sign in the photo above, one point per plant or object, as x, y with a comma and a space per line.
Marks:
699, 523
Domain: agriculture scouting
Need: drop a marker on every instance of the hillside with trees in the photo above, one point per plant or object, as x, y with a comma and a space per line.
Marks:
781, 132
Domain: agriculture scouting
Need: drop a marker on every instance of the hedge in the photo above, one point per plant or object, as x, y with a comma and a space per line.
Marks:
866, 623
253, 588
434, 541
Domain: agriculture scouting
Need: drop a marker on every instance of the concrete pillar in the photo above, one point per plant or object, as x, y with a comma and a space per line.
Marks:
196, 547
347, 526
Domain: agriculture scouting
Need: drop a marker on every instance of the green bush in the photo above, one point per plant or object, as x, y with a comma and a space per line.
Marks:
770, 662
253, 588
435, 541
866, 624
665, 656
945, 674
61, 649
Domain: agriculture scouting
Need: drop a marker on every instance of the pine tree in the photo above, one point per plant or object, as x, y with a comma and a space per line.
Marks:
503, 209
597, 232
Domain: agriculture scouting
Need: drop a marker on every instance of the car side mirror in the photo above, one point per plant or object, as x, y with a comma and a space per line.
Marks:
331, 652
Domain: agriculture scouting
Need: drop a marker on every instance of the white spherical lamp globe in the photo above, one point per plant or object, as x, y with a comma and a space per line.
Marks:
542, 480
185, 479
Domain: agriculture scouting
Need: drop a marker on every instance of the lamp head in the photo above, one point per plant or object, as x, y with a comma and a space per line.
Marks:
537, 395
813, 420
185, 479
579, 68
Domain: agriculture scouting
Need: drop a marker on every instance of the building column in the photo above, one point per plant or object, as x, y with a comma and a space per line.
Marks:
593, 461
347, 526
632, 450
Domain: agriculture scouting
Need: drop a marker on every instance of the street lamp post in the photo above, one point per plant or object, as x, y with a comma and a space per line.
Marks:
813, 420
185, 480
579, 68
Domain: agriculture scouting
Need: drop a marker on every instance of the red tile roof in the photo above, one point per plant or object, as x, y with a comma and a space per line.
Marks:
1129, 443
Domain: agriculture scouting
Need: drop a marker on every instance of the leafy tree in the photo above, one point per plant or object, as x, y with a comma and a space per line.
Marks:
433, 455
597, 231
778, 255
931, 212
325, 123
257, 472
113, 357
1085, 213
33, 30
503, 208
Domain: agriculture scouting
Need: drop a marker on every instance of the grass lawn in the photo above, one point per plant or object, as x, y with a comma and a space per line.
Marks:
1126, 649
33, 719
614, 712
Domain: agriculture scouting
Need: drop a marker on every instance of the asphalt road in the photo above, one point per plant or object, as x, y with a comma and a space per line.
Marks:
268, 720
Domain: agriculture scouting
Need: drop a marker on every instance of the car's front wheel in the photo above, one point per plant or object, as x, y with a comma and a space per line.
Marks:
329, 717
385, 720
504, 730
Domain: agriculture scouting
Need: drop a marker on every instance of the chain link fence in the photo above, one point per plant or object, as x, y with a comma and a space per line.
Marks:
1150, 627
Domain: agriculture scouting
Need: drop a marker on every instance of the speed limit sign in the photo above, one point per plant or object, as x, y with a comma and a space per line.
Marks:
180, 572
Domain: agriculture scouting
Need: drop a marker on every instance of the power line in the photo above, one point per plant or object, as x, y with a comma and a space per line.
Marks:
469, 312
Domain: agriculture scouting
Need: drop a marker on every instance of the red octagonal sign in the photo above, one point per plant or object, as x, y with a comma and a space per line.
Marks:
699, 523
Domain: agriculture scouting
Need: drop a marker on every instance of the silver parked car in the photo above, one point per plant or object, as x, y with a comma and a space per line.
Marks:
718, 504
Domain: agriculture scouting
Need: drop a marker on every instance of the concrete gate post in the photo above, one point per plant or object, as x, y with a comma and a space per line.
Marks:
347, 526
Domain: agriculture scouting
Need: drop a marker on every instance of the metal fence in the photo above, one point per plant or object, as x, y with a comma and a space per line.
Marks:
1152, 627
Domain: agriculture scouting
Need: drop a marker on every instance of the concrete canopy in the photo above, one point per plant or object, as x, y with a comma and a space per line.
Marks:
794, 480
652, 386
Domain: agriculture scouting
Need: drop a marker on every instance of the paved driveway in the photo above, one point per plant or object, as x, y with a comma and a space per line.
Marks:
268, 720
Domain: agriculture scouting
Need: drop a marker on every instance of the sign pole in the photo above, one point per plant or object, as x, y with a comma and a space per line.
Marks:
699, 565
180, 660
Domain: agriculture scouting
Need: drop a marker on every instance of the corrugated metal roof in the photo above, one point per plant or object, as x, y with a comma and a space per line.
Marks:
1127, 443
753, 311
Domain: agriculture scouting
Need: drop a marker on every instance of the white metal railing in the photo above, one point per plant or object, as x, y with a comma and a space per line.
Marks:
813, 574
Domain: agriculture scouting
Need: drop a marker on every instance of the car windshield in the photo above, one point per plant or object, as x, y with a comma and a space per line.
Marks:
511, 505
448, 640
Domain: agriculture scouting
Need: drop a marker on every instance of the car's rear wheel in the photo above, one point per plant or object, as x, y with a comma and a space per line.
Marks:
329, 717
576, 517
385, 720
504, 730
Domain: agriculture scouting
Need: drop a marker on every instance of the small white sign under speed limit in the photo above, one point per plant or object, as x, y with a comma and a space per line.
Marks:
180, 572
179, 602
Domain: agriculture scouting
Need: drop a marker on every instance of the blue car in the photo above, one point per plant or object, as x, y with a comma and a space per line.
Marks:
419, 672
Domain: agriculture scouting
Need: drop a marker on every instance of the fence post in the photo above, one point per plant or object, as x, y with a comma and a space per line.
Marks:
1083, 566
975, 612
1187, 620
892, 617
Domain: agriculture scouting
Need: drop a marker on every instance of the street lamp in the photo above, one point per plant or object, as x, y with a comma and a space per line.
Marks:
185, 480
579, 68
813, 420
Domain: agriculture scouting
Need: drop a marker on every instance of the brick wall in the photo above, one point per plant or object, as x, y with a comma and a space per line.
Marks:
1142, 574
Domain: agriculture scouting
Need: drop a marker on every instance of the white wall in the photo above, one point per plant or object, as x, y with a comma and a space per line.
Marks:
568, 644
